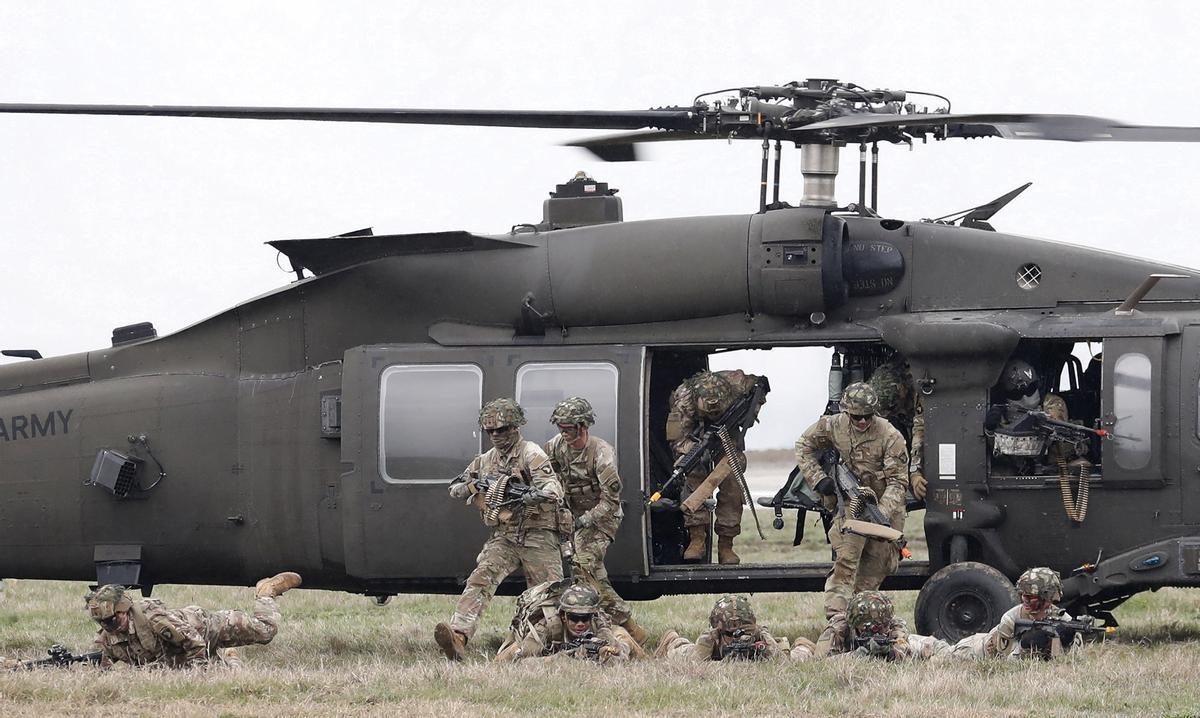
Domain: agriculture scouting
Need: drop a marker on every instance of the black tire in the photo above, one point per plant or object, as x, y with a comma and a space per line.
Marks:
963, 599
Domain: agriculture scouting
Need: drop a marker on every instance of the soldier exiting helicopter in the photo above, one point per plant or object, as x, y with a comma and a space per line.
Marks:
524, 534
699, 400
902, 406
874, 451
587, 467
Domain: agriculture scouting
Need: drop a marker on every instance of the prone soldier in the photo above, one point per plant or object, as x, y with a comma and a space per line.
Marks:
699, 400
145, 631
869, 628
556, 620
874, 451
734, 634
587, 467
523, 536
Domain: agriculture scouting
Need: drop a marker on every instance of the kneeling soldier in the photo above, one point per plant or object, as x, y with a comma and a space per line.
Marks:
144, 631
574, 626
734, 635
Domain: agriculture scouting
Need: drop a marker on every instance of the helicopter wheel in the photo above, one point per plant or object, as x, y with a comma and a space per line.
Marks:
963, 599
381, 600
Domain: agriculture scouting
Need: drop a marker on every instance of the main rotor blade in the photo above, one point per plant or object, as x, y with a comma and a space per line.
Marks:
1070, 128
623, 147
668, 118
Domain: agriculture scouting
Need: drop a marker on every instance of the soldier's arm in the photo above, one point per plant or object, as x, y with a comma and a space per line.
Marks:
541, 472
178, 633
916, 454
899, 632
609, 503
107, 659
1000, 639
816, 439
895, 473
771, 650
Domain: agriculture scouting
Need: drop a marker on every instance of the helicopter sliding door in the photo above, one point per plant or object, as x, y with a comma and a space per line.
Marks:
409, 425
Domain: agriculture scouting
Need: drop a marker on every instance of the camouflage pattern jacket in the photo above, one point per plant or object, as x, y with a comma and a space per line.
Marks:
590, 480
684, 417
526, 462
838, 639
539, 632
708, 646
877, 456
1002, 642
172, 637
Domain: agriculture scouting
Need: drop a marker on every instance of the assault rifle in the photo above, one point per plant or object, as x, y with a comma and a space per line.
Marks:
60, 657
875, 646
744, 646
736, 421
1035, 633
586, 647
860, 515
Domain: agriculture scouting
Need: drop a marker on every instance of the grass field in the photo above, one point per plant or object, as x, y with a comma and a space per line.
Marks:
339, 654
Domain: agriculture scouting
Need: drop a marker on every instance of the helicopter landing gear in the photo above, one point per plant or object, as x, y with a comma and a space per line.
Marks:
963, 599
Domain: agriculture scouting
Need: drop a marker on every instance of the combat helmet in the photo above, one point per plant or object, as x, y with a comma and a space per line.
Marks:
107, 600
869, 608
1019, 378
860, 398
579, 598
888, 381
1042, 582
732, 612
712, 391
501, 412
575, 410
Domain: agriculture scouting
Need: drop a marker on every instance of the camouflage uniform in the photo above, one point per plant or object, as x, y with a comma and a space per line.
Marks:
1002, 640
708, 395
538, 630
176, 637
900, 404
731, 613
878, 458
593, 495
870, 613
523, 537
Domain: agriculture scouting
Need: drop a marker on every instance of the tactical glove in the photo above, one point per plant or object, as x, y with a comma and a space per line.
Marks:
460, 490
582, 522
826, 487
918, 483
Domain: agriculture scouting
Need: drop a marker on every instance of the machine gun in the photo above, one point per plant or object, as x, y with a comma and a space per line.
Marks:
875, 645
860, 515
59, 657
586, 647
744, 646
1034, 430
721, 437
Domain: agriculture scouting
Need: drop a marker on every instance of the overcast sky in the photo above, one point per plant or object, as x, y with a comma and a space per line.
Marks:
110, 221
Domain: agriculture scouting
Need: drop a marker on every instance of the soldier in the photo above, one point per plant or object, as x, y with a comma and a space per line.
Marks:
700, 399
1020, 384
144, 631
874, 451
587, 467
734, 635
869, 628
1040, 588
900, 405
567, 627
525, 537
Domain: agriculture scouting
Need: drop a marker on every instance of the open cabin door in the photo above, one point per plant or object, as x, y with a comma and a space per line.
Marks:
409, 425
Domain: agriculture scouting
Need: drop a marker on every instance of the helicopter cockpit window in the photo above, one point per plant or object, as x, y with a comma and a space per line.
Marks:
428, 421
1132, 406
541, 386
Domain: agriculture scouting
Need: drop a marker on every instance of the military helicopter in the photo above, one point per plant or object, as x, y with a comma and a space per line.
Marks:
316, 427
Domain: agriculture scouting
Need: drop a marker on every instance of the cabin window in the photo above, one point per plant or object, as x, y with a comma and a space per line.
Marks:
1132, 407
541, 386
428, 421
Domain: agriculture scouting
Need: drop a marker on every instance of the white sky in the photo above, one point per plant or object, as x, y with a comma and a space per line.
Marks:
110, 221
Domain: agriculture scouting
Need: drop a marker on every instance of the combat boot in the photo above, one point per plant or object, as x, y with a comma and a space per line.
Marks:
697, 537
725, 554
636, 632
276, 585
453, 643
664, 644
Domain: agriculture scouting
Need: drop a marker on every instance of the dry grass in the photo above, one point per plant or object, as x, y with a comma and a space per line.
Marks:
341, 655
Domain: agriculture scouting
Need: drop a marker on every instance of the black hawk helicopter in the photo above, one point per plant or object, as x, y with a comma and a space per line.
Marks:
315, 428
